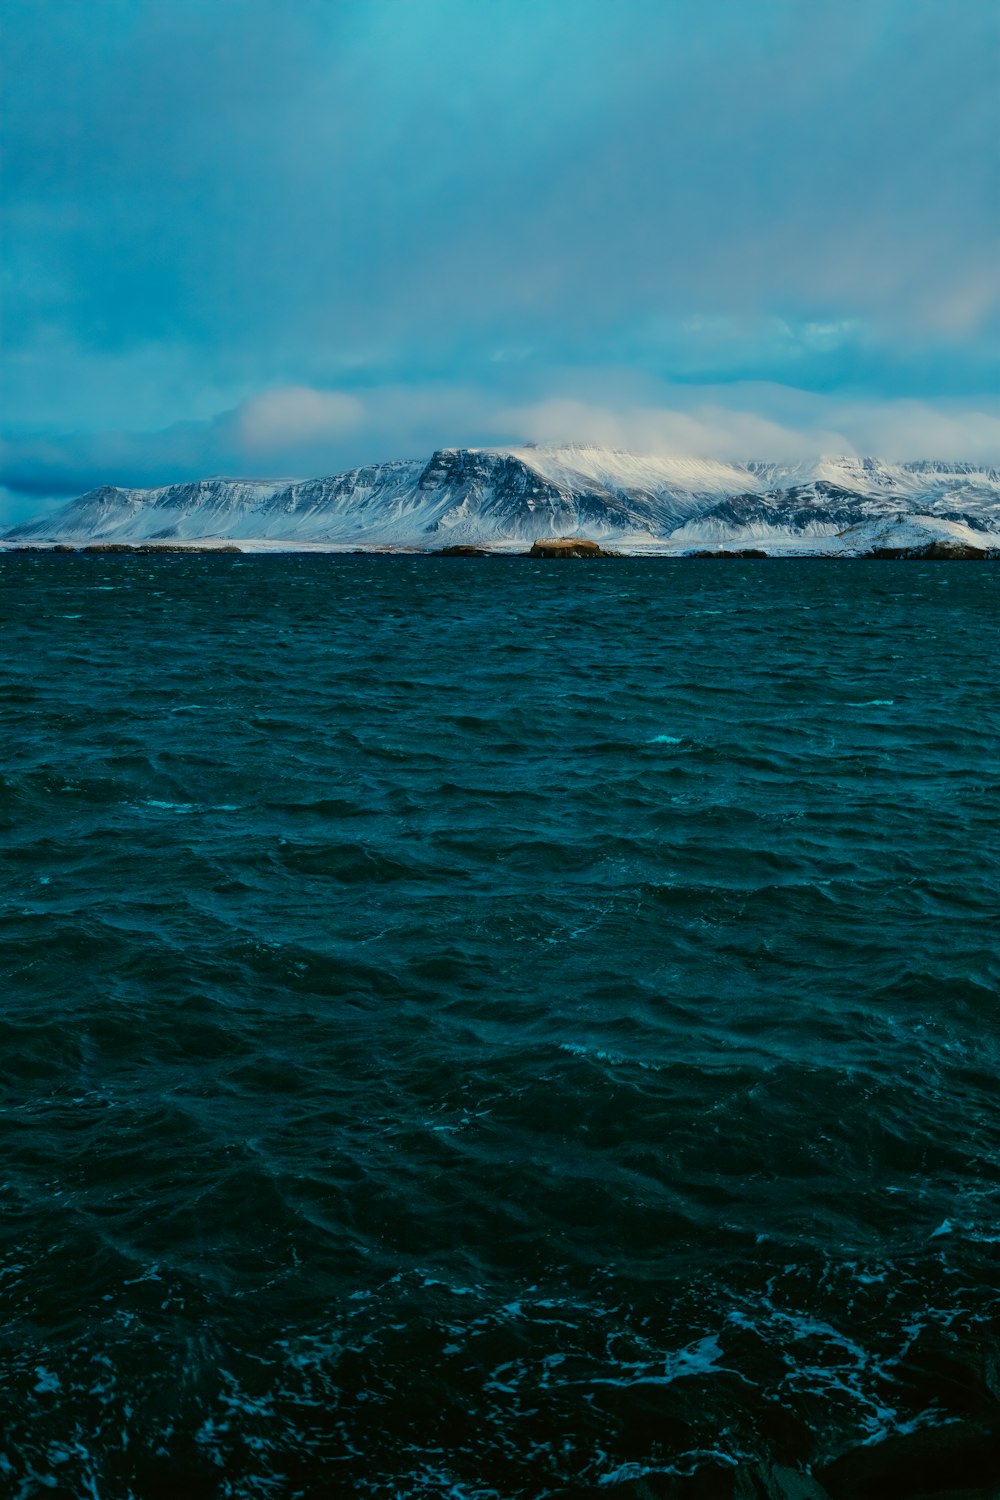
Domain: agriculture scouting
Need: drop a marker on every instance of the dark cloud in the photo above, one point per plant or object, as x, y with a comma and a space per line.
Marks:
205, 202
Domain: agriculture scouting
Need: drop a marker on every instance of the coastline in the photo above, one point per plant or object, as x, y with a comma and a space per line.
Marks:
750, 549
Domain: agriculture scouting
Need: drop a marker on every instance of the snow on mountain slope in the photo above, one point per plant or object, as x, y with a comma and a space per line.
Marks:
928, 481
492, 493
666, 487
818, 509
222, 508
116, 514
361, 504
914, 533
459, 495
511, 495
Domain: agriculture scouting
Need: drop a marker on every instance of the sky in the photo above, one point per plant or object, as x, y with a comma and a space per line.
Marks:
283, 237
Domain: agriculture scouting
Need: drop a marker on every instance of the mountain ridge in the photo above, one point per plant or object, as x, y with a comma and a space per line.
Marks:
520, 494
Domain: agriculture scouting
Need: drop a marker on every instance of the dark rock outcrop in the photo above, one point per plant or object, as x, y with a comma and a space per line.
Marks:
154, 547
463, 551
727, 552
933, 551
760, 1481
959, 1461
767, 1481
567, 546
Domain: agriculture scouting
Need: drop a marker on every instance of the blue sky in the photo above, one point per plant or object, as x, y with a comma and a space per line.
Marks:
261, 238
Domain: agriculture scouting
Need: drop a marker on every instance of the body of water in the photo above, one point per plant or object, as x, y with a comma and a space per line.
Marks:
495, 1028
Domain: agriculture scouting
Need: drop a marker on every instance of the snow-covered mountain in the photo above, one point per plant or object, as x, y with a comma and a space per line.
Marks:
507, 496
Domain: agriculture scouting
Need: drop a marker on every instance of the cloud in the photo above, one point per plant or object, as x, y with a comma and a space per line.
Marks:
302, 431
253, 237
707, 430
293, 417
354, 179
811, 427
289, 430
904, 429
17, 506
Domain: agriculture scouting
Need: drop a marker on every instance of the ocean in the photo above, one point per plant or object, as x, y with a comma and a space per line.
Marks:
485, 1028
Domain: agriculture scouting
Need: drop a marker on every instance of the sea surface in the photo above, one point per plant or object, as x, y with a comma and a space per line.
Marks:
486, 1028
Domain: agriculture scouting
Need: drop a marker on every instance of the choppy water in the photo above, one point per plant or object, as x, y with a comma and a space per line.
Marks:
492, 1028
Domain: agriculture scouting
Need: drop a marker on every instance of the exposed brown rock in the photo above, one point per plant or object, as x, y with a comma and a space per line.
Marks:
460, 550
567, 546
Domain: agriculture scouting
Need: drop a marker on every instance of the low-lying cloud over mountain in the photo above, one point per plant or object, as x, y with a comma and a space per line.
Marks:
299, 430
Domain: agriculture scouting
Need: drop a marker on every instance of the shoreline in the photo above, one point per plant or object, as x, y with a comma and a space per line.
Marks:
932, 551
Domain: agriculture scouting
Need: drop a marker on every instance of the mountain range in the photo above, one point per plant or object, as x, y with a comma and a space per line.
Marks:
503, 498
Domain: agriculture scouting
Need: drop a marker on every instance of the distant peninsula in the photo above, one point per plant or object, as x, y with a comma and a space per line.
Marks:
575, 500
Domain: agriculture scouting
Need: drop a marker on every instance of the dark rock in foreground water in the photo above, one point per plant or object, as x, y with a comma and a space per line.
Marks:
763, 1481
959, 1461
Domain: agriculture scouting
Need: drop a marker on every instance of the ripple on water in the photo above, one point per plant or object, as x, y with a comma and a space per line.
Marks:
493, 1036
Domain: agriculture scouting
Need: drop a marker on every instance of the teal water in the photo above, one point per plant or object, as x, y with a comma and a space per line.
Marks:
488, 1028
